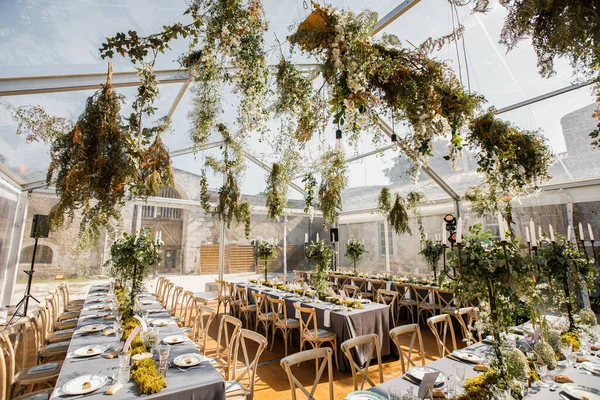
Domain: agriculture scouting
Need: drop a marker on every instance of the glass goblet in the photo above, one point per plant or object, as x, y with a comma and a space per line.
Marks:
542, 370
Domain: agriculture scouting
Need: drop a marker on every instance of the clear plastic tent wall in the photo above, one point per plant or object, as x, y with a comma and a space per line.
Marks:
42, 38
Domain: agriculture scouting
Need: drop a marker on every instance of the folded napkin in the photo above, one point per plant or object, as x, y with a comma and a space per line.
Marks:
581, 359
327, 318
481, 367
109, 317
112, 354
109, 332
438, 394
114, 389
42, 368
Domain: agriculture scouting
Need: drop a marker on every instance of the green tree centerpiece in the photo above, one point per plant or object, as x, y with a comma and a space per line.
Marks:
132, 259
265, 252
320, 254
354, 251
432, 252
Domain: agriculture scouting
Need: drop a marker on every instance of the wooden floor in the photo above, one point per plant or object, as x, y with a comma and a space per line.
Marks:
272, 381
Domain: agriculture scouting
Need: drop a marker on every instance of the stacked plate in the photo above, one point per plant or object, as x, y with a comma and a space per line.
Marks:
580, 392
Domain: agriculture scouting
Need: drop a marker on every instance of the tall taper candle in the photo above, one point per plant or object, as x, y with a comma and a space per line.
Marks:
459, 230
306, 237
501, 230
569, 233
532, 231
527, 234
551, 233
317, 236
444, 238
581, 236
539, 232
591, 232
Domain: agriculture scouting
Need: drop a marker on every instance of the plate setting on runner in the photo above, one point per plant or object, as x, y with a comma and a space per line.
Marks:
84, 384
90, 351
174, 339
418, 372
93, 328
189, 360
468, 356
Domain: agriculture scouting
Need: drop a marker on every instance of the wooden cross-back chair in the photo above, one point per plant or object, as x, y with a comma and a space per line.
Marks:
405, 299
243, 305
415, 331
362, 284
389, 298
282, 322
173, 305
351, 291
440, 324
46, 352
264, 317
69, 304
376, 284
446, 301
229, 330
426, 301
168, 295
167, 286
201, 326
323, 354
341, 280
371, 340
467, 316
231, 300
249, 365
311, 333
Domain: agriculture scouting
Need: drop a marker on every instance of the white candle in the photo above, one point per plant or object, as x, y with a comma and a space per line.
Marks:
551, 233
425, 236
539, 232
317, 236
591, 232
306, 237
532, 231
581, 237
348, 241
459, 230
527, 234
500, 226
569, 233
506, 227
137, 235
363, 242
444, 232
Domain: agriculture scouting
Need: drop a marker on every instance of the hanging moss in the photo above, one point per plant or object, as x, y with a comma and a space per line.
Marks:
334, 179
384, 201
398, 216
276, 191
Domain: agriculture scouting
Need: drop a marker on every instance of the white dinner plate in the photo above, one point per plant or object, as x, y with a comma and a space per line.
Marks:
593, 367
189, 360
97, 307
161, 322
419, 372
468, 356
75, 385
90, 351
154, 310
174, 339
98, 294
92, 328
363, 395
147, 302
580, 392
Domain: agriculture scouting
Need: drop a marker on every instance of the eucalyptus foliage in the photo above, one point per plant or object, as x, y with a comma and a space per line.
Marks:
432, 252
334, 179
265, 252
320, 254
355, 250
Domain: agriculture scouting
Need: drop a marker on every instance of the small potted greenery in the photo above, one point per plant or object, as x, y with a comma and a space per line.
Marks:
320, 254
354, 251
432, 252
265, 252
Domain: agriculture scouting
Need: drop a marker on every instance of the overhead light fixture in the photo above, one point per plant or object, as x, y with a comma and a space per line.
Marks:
394, 142
338, 142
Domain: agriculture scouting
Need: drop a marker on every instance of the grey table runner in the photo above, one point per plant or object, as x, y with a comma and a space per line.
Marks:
204, 383
373, 318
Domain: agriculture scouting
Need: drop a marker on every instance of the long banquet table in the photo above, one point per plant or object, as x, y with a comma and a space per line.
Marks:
373, 318
204, 383
446, 365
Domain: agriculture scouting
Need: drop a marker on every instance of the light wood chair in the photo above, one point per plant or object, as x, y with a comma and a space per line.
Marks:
26, 379
440, 324
69, 305
471, 315
351, 291
340, 281
247, 370
309, 355
283, 278
389, 298
371, 340
376, 284
243, 305
426, 301
205, 317
167, 293
62, 320
282, 322
74, 303
159, 285
446, 301
362, 284
264, 317
405, 299
229, 330
223, 296
415, 331
309, 332
46, 352
230, 288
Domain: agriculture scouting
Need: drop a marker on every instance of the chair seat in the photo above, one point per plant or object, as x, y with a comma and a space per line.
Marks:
448, 310
428, 306
289, 323
251, 307
322, 334
67, 324
26, 377
69, 315
60, 336
38, 395
267, 317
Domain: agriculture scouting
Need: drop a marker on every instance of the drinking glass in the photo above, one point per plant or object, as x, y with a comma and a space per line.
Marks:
459, 374
124, 359
118, 330
163, 358
542, 370
359, 296
584, 341
567, 350
394, 393
123, 374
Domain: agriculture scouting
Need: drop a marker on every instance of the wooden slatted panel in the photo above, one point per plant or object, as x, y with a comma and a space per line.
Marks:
209, 259
241, 258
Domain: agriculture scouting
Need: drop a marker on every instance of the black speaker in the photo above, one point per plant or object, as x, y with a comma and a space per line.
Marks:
40, 227
334, 235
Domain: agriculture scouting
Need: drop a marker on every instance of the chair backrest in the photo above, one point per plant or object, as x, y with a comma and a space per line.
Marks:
415, 331
279, 311
176, 300
323, 353
298, 280
471, 315
262, 304
202, 324
8, 351
351, 291
376, 284
229, 330
404, 291
424, 295
249, 364
388, 297
190, 304
371, 340
169, 287
446, 299
241, 294
310, 324
159, 284
361, 283
283, 278
440, 324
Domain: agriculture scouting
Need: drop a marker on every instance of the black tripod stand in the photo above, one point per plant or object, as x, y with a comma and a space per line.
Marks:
39, 228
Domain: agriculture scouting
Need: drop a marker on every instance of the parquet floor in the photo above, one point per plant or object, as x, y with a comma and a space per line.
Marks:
272, 382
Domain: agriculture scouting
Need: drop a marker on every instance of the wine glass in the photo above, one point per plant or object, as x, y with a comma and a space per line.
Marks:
584, 342
394, 393
542, 370
359, 296
567, 350
459, 374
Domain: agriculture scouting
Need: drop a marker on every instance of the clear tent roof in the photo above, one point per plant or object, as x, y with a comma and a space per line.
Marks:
62, 37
